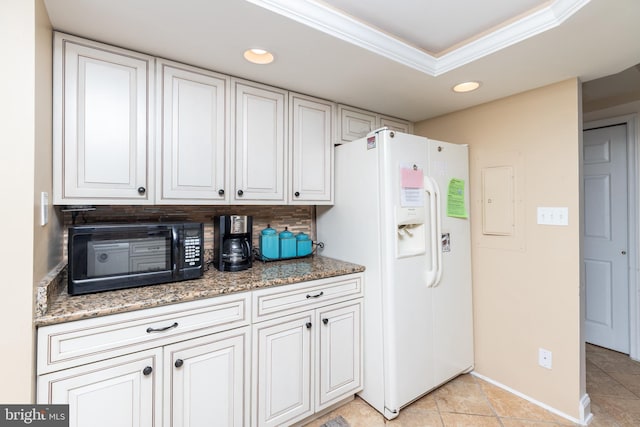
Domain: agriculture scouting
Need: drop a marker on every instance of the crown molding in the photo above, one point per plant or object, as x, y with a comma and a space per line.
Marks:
331, 21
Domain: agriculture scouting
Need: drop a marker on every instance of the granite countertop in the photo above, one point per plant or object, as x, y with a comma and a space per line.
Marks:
55, 305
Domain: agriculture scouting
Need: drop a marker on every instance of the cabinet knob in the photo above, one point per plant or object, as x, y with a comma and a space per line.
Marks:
179, 363
240, 192
308, 325
147, 370
297, 194
221, 192
141, 190
325, 321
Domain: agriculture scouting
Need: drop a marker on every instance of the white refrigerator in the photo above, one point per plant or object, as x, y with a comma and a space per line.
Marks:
401, 210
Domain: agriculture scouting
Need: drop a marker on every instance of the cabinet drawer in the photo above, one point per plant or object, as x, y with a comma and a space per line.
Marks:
85, 341
289, 299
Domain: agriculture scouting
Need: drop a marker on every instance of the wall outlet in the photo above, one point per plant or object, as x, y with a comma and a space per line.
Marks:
544, 358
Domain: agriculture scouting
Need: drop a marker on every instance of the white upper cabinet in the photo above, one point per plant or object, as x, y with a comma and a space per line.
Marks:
132, 129
259, 137
192, 139
395, 124
355, 123
101, 138
311, 137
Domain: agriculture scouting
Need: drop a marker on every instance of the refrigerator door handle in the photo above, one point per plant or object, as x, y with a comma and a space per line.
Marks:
435, 274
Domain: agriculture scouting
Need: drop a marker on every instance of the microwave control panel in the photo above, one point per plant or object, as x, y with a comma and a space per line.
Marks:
192, 251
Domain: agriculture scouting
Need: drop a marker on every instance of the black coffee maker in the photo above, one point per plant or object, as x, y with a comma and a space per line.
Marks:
232, 242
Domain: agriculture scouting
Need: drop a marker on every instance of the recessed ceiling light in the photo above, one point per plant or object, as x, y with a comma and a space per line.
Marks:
258, 56
466, 87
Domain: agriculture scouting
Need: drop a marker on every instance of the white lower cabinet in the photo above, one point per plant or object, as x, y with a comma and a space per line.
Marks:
340, 353
283, 370
309, 360
178, 365
273, 356
124, 391
205, 380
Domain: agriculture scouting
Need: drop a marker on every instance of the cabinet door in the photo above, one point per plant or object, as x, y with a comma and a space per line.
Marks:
355, 123
101, 122
339, 370
259, 143
124, 391
311, 150
282, 381
192, 142
395, 124
208, 380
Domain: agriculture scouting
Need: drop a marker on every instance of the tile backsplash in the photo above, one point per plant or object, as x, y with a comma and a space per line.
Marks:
296, 218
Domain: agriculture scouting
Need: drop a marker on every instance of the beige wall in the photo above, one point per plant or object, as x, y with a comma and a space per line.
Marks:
527, 286
26, 121
613, 111
47, 252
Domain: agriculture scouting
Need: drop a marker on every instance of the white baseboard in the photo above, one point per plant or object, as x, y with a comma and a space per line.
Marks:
585, 402
585, 410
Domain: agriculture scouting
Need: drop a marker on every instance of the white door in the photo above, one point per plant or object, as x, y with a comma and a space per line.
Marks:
282, 370
209, 381
123, 391
338, 373
311, 150
605, 238
259, 143
192, 138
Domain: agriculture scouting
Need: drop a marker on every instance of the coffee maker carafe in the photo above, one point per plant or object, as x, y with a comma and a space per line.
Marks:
232, 242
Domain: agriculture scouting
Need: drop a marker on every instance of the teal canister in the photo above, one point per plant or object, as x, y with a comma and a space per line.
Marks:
303, 244
287, 244
269, 244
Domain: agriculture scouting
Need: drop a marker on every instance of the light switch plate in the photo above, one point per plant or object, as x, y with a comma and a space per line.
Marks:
44, 208
553, 216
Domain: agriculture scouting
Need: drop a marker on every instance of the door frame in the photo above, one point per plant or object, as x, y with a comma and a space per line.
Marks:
633, 210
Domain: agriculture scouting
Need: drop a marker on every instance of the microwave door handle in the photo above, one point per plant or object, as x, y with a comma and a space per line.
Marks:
176, 250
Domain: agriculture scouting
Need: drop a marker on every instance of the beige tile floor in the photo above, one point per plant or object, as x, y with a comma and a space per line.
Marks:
613, 383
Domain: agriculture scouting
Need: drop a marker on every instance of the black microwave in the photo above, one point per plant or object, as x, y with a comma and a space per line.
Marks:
117, 256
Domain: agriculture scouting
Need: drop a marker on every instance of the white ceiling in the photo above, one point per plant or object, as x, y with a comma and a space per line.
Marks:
400, 58
435, 26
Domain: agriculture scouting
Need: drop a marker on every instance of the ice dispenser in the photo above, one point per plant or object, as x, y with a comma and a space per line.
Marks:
411, 231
